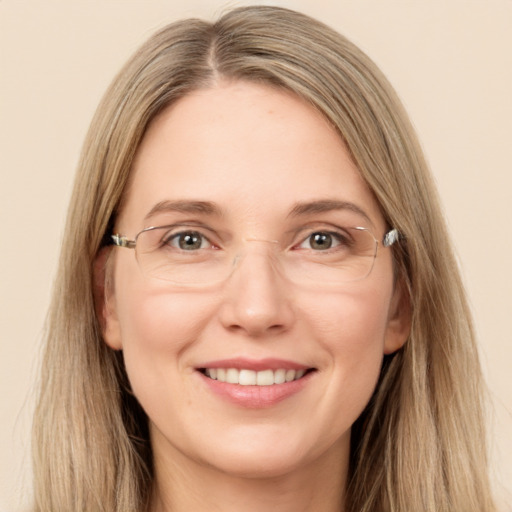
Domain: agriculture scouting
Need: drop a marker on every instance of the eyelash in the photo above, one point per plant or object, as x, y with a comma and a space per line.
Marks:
336, 237
168, 238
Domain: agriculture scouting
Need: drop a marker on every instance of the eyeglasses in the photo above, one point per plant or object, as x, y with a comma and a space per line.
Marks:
189, 255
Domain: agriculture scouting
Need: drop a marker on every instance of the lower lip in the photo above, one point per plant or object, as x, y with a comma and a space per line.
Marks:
256, 397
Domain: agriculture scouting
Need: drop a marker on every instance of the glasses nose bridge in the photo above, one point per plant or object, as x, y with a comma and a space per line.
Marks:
267, 249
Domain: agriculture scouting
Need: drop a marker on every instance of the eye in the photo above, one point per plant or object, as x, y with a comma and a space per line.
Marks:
321, 241
187, 241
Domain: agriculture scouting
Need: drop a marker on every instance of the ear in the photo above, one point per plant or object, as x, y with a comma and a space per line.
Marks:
399, 319
104, 299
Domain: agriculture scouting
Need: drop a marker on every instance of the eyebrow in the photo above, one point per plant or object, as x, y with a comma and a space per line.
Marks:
299, 209
326, 205
183, 206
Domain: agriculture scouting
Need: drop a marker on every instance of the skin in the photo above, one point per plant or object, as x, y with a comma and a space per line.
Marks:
255, 152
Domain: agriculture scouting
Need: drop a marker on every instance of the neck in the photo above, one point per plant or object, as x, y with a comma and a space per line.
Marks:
182, 485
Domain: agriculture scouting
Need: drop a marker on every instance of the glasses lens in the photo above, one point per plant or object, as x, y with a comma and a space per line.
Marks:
334, 258
181, 255
184, 256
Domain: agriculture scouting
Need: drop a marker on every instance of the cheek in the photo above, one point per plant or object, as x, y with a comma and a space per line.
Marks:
157, 322
156, 327
351, 322
351, 328
151, 319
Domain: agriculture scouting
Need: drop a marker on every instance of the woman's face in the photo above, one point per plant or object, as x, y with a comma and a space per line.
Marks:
250, 171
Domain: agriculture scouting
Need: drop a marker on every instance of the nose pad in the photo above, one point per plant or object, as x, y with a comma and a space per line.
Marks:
263, 252
256, 298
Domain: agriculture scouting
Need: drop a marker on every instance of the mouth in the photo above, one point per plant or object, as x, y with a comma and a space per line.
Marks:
248, 377
255, 383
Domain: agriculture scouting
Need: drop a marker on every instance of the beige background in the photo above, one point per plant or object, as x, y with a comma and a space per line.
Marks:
451, 62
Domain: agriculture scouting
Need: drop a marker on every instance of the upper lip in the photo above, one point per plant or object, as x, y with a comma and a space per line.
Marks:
242, 363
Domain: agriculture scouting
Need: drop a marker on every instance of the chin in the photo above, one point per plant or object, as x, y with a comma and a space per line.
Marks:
260, 456
258, 465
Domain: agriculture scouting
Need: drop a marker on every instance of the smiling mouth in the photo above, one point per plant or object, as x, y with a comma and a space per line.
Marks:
246, 377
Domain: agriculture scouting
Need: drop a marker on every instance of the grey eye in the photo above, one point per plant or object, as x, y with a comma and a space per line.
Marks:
188, 241
320, 241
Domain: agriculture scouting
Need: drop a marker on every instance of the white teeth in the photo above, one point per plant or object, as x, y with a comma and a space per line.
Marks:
247, 378
290, 375
265, 378
252, 378
279, 376
232, 375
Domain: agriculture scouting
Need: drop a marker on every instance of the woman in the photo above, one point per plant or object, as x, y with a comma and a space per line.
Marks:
289, 329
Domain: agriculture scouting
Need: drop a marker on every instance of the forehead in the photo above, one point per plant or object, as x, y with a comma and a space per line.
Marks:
247, 148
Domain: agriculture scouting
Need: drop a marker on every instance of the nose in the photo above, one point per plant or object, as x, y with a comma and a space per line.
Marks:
256, 299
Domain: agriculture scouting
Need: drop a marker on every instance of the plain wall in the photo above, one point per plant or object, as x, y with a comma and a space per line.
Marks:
451, 62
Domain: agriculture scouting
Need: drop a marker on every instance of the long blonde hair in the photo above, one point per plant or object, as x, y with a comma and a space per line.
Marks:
419, 445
